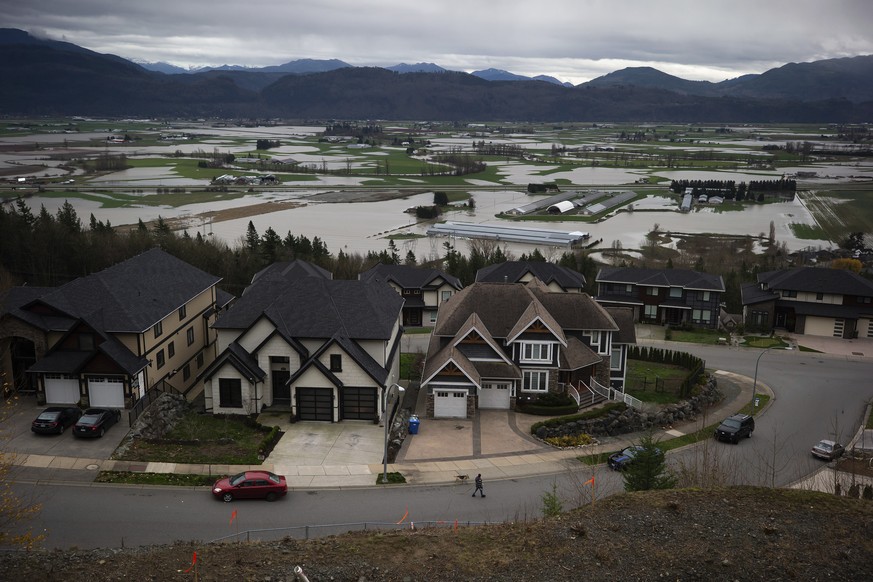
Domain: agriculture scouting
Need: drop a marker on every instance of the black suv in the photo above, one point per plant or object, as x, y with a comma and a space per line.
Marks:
735, 427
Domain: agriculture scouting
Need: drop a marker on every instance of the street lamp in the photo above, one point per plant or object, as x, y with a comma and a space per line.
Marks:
755, 381
387, 422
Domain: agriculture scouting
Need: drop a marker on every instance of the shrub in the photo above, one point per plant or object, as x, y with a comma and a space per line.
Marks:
269, 441
568, 441
587, 415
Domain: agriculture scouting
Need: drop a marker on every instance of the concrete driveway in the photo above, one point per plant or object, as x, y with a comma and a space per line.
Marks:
20, 440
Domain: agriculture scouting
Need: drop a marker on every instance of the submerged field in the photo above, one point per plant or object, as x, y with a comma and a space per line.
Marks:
168, 171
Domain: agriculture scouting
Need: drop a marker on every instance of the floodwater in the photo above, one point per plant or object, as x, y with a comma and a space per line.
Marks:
362, 227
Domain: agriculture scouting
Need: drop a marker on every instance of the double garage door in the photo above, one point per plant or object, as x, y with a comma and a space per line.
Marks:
317, 404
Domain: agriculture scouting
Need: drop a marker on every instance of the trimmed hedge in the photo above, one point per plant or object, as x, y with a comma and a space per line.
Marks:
685, 360
587, 415
540, 410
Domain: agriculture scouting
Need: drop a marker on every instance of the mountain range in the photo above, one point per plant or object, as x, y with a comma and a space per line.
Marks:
46, 77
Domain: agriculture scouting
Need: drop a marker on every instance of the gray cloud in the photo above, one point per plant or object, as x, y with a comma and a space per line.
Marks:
573, 40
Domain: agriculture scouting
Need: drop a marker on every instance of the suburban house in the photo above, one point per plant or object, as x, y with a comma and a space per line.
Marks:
495, 344
422, 289
810, 300
105, 339
556, 277
298, 340
663, 296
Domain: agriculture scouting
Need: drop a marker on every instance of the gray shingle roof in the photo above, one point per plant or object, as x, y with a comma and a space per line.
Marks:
818, 280
661, 278
314, 307
408, 277
513, 271
500, 306
133, 295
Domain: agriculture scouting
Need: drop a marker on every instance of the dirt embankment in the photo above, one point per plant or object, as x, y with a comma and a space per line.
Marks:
728, 534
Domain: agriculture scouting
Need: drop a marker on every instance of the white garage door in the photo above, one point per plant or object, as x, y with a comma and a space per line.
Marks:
494, 395
823, 326
61, 389
106, 392
450, 403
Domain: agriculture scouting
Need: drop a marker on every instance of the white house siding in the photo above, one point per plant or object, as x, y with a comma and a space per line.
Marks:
275, 346
865, 328
378, 350
352, 374
211, 392
256, 334
312, 378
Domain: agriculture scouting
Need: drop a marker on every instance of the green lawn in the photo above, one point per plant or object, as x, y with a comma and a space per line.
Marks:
654, 382
697, 336
201, 438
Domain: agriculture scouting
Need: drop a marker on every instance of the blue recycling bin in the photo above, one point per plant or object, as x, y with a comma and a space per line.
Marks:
413, 424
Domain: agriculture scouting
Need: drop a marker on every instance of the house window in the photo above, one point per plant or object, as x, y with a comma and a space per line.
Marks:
759, 318
199, 360
190, 335
160, 359
650, 312
159, 329
445, 296
653, 291
433, 315
336, 363
628, 288
700, 315
819, 296
615, 359
536, 352
536, 381
171, 349
230, 392
789, 294
183, 311
704, 296
676, 292
186, 372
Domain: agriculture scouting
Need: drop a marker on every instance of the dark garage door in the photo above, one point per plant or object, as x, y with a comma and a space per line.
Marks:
315, 404
359, 403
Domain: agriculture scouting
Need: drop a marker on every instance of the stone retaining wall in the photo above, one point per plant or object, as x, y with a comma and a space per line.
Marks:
633, 420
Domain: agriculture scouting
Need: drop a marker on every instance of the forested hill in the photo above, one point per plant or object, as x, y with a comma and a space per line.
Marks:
56, 78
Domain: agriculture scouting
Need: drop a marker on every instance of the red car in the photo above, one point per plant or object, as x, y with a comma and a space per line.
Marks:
251, 485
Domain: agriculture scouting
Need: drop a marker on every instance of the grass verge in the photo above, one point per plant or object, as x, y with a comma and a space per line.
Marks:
393, 479
135, 478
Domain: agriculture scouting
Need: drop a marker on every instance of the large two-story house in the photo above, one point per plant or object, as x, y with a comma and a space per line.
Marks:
496, 343
663, 296
810, 300
105, 339
298, 340
556, 277
423, 290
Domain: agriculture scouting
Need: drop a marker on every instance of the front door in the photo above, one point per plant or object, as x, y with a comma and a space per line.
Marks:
281, 388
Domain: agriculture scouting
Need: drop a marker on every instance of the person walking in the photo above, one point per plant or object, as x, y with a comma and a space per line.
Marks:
479, 485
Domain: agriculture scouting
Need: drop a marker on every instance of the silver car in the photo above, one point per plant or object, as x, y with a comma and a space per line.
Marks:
827, 450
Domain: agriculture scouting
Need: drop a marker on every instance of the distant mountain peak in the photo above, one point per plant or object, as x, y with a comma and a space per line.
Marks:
417, 68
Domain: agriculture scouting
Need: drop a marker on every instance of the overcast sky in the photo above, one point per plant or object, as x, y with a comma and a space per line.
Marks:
573, 40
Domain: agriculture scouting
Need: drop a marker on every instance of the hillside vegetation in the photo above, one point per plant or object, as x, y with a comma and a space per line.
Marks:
728, 534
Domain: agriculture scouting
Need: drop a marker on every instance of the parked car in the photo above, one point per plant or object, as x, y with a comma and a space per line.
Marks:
735, 427
251, 485
55, 419
828, 450
96, 421
620, 460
